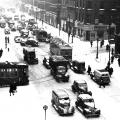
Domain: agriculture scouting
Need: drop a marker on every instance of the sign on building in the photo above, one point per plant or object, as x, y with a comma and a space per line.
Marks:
100, 27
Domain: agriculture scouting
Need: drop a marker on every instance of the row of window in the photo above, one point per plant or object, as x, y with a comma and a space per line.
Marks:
11, 72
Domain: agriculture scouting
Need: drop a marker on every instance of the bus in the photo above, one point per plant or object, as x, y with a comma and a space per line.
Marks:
13, 72
59, 47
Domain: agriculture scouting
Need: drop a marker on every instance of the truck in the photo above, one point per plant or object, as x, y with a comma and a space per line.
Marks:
30, 56
101, 77
42, 35
62, 102
60, 47
59, 68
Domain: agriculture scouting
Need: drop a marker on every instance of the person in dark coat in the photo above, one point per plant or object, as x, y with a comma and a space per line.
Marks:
89, 70
1, 51
119, 62
112, 52
112, 59
91, 42
11, 90
110, 71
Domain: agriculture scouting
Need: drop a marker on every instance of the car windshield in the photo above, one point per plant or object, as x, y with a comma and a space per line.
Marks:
61, 69
64, 101
82, 86
89, 102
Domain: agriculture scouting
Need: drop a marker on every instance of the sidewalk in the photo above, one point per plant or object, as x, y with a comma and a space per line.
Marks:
24, 105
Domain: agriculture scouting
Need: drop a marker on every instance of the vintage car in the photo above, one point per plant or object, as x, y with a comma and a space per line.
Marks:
77, 66
13, 28
16, 17
11, 23
86, 105
101, 77
7, 31
23, 41
80, 86
30, 27
20, 27
46, 62
24, 33
32, 43
17, 39
61, 102
42, 36
30, 56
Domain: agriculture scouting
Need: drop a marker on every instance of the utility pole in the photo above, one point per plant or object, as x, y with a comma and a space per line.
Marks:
109, 34
68, 27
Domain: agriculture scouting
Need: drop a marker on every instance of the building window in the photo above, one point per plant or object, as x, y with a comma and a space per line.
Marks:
89, 4
101, 4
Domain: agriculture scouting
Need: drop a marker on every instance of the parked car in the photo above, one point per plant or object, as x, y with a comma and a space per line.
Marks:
17, 39
77, 66
20, 27
30, 27
16, 17
101, 77
86, 105
31, 43
23, 41
61, 102
7, 31
13, 28
24, 33
80, 86
46, 62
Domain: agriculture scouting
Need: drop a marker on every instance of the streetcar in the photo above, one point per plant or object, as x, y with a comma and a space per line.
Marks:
13, 73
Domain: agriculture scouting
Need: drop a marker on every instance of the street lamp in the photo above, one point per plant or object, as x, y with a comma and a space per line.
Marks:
45, 107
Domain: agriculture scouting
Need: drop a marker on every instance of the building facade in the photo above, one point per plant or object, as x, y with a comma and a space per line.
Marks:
78, 17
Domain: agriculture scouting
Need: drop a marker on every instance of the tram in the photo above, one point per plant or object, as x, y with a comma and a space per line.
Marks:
13, 72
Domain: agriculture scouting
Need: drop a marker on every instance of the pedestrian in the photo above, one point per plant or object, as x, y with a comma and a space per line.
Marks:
8, 39
112, 59
91, 42
11, 90
112, 52
91, 75
1, 51
89, 70
119, 62
101, 43
110, 70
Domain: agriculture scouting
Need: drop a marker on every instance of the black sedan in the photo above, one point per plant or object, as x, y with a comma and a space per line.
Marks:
7, 31
31, 43
17, 39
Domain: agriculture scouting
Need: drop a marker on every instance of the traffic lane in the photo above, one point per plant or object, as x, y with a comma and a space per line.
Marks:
47, 87
109, 107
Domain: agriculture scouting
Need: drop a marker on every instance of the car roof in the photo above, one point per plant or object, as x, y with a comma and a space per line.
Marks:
61, 93
85, 96
80, 81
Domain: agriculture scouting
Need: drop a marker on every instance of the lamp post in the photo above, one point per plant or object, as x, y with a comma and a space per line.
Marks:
109, 40
68, 27
45, 107
97, 48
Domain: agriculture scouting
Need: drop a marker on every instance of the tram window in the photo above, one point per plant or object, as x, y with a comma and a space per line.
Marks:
15, 71
1, 73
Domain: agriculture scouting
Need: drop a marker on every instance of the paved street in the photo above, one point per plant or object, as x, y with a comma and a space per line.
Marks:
28, 102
